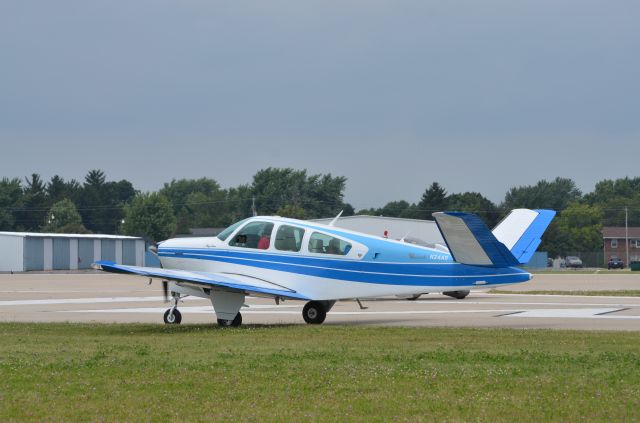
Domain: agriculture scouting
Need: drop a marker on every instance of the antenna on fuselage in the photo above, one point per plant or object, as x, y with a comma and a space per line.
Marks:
405, 235
335, 219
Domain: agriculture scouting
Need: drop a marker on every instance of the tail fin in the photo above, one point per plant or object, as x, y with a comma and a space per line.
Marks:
521, 231
511, 243
471, 242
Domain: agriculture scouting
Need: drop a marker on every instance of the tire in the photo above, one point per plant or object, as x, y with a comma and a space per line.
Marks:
459, 295
175, 319
236, 322
314, 313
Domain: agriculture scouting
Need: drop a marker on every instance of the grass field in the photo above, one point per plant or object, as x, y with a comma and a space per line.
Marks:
82, 372
617, 293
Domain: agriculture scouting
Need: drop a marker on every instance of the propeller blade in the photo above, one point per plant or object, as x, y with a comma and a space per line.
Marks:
165, 290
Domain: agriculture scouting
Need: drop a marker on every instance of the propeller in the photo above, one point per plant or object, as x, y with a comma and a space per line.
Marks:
165, 290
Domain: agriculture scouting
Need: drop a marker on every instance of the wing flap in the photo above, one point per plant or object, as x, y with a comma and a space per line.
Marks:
241, 283
471, 242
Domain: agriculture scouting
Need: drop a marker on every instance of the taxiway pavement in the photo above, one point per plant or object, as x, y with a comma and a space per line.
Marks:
95, 297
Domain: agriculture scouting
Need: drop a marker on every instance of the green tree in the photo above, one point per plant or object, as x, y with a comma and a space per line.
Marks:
581, 229
239, 203
394, 208
150, 216
433, 200
555, 195
319, 195
197, 203
101, 203
64, 218
613, 197
33, 211
289, 210
474, 202
348, 210
58, 189
10, 200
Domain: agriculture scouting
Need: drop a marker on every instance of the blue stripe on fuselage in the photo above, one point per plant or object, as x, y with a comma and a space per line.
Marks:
433, 274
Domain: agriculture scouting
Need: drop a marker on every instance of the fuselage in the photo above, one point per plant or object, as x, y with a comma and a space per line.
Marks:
329, 263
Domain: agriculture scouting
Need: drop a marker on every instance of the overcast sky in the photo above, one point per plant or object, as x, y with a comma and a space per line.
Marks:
478, 95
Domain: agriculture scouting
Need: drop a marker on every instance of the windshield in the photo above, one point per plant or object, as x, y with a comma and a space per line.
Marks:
225, 234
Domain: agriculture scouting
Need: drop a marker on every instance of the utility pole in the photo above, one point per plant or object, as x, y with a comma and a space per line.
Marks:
626, 233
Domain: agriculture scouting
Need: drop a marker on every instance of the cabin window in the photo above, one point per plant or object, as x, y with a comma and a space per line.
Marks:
225, 233
326, 244
614, 243
289, 238
253, 235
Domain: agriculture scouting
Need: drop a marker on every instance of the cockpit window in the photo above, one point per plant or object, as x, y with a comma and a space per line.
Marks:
289, 238
326, 244
225, 234
253, 235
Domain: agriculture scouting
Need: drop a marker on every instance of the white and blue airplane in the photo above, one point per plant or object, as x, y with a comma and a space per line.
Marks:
280, 258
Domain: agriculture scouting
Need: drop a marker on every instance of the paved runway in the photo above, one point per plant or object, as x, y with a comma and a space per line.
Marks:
89, 297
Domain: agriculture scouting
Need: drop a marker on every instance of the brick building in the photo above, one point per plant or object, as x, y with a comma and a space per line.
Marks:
615, 245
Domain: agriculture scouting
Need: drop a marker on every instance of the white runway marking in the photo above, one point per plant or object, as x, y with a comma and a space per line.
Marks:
463, 302
582, 313
100, 300
438, 302
561, 296
209, 309
93, 291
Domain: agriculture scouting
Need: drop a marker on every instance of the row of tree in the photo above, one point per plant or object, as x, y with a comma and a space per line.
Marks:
30, 207
102, 206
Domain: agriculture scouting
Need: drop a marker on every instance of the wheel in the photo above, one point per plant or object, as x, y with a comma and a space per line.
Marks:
314, 313
459, 295
237, 321
173, 319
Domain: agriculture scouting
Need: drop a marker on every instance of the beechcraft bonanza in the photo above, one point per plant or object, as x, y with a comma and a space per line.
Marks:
298, 260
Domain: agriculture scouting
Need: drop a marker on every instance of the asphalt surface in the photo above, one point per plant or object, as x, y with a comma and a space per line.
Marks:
94, 297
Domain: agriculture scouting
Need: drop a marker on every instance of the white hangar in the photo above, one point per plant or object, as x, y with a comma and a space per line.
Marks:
26, 251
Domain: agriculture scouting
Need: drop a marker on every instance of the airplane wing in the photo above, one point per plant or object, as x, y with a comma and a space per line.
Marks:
203, 279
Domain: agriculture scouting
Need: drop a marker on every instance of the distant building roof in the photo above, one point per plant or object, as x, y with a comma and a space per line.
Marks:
201, 232
205, 231
54, 235
395, 227
368, 216
619, 232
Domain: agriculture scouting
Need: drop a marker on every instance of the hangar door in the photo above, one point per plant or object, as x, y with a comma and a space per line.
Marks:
85, 253
33, 254
129, 252
109, 249
61, 253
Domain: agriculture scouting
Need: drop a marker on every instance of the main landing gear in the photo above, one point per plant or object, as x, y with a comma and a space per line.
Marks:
459, 295
226, 304
173, 316
237, 321
314, 312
